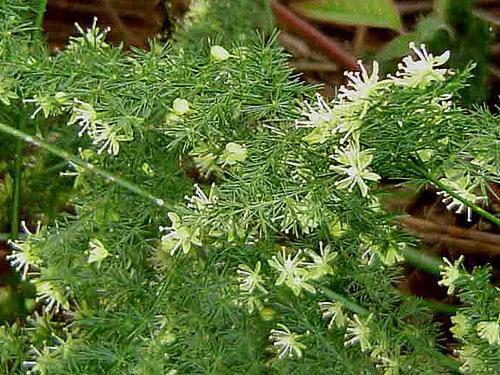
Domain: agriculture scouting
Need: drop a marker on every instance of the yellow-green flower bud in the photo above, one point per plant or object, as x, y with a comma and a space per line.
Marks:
218, 53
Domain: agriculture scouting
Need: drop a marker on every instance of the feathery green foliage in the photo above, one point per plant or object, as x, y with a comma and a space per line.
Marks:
289, 244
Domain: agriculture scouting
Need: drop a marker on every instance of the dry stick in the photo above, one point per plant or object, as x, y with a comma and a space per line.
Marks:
487, 16
304, 66
359, 39
459, 244
426, 226
330, 47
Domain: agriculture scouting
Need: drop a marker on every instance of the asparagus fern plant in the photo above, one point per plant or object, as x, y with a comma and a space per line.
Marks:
227, 220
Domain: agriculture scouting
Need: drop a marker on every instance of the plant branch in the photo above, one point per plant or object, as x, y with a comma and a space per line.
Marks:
269, 15
77, 161
16, 201
330, 47
495, 220
42, 6
421, 260
348, 303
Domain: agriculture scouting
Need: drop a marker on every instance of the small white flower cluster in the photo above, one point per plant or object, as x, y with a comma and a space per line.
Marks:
103, 134
97, 252
462, 186
470, 353
340, 120
107, 136
24, 252
333, 313
39, 361
53, 296
451, 273
358, 331
489, 331
209, 162
424, 70
296, 273
250, 281
354, 164
179, 235
389, 254
300, 215
285, 342
92, 37
24, 258
49, 105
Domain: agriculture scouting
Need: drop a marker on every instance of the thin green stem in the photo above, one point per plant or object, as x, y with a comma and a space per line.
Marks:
348, 303
442, 358
77, 161
422, 261
16, 198
40, 12
269, 15
474, 207
56, 167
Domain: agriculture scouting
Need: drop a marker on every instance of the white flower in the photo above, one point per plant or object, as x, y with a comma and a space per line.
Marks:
93, 36
53, 296
303, 214
218, 53
321, 118
320, 265
84, 115
291, 273
47, 104
422, 71
179, 236
464, 188
472, 361
180, 106
358, 331
24, 255
199, 201
460, 326
250, 279
348, 120
354, 163
489, 331
332, 312
286, 342
450, 274
97, 252
234, 154
360, 85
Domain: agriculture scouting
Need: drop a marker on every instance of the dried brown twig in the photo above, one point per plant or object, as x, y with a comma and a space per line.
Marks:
329, 47
460, 239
